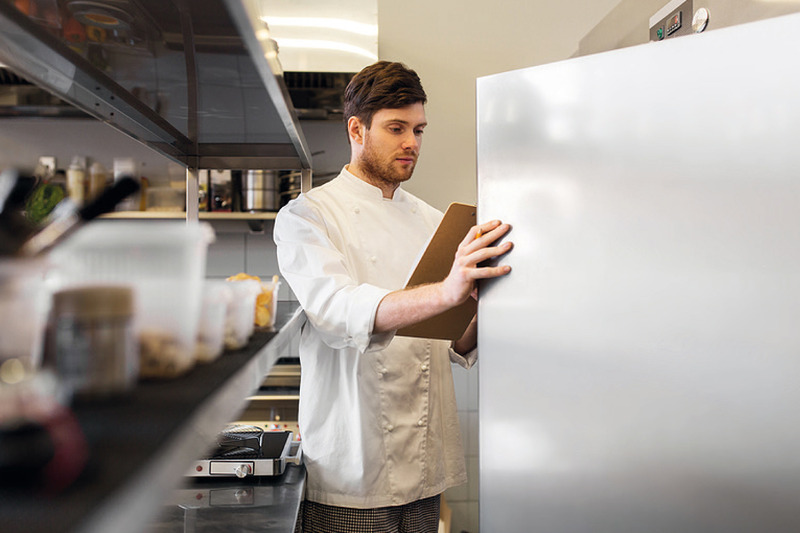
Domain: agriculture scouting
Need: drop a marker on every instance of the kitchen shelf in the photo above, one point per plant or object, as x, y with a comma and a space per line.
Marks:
273, 397
140, 446
203, 215
199, 82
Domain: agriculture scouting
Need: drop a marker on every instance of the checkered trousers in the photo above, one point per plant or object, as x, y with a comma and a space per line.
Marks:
421, 516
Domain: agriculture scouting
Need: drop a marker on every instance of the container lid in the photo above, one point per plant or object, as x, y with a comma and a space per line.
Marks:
94, 302
104, 234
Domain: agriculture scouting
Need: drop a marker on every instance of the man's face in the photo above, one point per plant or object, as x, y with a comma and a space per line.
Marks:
392, 143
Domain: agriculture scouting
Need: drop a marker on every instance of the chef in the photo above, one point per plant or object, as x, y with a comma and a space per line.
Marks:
377, 411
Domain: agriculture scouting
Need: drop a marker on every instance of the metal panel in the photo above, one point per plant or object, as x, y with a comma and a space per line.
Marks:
189, 79
639, 367
629, 22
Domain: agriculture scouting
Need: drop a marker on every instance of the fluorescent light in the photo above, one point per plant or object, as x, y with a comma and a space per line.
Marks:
326, 45
349, 26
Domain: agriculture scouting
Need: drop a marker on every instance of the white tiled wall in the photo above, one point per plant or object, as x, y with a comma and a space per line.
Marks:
463, 500
237, 249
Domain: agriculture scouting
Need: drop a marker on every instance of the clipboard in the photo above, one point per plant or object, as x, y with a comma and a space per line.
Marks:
434, 265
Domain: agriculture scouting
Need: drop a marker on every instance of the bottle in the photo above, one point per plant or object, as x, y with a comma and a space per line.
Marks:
97, 180
126, 167
76, 181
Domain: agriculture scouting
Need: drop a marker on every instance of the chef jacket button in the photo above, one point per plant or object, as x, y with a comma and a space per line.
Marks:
413, 209
389, 428
373, 259
356, 210
421, 422
424, 367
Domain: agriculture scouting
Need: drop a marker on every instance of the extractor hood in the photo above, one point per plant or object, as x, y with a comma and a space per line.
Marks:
199, 81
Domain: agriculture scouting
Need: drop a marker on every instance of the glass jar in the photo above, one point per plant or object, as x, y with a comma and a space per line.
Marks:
90, 341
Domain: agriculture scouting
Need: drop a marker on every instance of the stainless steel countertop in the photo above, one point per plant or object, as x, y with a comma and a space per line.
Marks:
267, 504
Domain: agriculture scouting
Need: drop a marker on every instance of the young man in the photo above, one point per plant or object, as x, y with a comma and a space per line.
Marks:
381, 439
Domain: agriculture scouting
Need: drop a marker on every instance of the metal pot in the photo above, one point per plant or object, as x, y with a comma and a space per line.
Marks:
290, 186
260, 191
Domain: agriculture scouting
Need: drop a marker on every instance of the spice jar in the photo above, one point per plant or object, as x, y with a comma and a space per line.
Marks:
90, 340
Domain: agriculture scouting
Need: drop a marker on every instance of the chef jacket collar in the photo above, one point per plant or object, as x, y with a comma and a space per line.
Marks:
361, 187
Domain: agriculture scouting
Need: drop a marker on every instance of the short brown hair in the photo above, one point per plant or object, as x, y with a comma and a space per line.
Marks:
382, 85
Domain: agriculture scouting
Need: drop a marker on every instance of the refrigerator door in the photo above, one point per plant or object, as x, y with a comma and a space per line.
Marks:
640, 366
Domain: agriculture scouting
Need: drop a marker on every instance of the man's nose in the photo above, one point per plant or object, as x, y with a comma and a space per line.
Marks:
411, 142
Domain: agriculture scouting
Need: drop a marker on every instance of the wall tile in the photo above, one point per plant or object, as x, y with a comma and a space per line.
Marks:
226, 255
460, 520
457, 494
473, 474
473, 435
472, 384
461, 384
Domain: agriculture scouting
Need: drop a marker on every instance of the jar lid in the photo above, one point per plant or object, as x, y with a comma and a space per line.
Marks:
94, 302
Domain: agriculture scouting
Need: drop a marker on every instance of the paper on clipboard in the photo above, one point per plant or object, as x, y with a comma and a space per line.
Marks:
434, 265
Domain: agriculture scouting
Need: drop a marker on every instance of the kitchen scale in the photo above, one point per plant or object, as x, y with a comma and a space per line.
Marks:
244, 450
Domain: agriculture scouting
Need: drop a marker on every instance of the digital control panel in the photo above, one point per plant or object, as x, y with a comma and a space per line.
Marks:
672, 20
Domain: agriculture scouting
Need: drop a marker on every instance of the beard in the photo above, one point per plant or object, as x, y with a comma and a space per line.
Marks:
383, 169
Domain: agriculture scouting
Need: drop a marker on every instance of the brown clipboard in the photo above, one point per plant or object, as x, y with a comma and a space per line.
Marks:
434, 265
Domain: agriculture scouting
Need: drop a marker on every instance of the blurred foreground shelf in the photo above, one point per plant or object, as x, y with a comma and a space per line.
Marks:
203, 215
141, 445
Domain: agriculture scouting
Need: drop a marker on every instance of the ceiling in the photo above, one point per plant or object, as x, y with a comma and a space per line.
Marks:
323, 35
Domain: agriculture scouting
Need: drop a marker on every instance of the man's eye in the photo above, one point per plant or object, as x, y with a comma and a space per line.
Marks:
419, 132
396, 130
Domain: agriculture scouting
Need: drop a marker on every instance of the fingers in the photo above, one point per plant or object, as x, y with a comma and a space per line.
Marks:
489, 272
476, 246
474, 251
482, 235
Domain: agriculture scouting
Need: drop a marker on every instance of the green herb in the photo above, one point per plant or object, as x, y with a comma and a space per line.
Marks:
42, 201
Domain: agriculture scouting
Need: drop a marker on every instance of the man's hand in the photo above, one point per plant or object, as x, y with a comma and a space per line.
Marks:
406, 307
473, 250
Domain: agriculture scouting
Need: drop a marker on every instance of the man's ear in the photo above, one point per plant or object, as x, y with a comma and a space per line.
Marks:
355, 130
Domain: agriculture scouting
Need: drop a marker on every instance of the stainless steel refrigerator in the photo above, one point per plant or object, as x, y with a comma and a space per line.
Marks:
640, 366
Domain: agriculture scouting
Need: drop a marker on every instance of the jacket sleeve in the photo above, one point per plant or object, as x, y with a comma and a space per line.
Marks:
341, 310
465, 361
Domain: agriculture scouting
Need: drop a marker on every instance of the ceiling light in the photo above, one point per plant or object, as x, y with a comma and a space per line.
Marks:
349, 26
326, 45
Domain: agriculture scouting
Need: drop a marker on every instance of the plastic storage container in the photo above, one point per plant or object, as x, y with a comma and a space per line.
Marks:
23, 310
267, 303
164, 262
217, 295
240, 317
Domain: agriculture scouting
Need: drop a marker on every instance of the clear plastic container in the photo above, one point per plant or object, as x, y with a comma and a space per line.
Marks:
164, 262
240, 318
24, 305
267, 303
217, 295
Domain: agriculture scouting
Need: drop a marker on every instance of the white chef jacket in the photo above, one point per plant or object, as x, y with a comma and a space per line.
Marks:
377, 412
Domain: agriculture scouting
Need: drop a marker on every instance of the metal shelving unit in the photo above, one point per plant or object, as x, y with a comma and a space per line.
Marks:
199, 82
